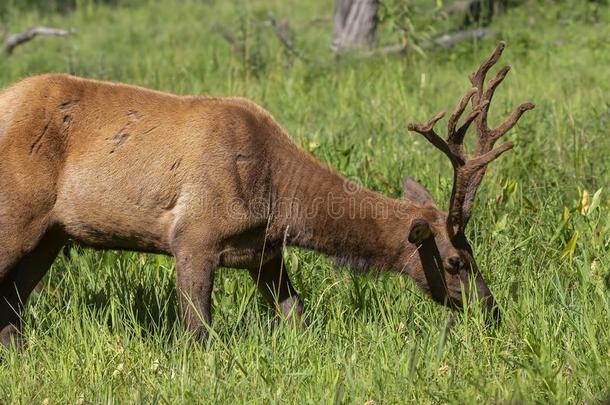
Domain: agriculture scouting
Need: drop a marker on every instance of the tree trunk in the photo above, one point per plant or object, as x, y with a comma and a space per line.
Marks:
482, 11
355, 24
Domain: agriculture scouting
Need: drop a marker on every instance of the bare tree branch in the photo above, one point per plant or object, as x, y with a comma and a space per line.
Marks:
450, 40
236, 44
282, 32
444, 41
15, 40
386, 50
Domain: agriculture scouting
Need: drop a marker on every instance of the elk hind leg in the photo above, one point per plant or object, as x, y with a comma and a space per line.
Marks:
20, 274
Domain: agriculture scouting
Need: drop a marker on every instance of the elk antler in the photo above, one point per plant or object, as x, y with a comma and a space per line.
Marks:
468, 172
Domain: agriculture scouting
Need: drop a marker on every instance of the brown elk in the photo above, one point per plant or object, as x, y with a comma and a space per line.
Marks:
216, 182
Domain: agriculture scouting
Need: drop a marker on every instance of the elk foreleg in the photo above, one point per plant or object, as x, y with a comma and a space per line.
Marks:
194, 280
274, 284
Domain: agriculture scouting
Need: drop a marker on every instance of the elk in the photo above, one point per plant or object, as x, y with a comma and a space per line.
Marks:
216, 182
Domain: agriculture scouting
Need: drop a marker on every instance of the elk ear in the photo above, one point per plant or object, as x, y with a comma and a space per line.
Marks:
419, 232
415, 192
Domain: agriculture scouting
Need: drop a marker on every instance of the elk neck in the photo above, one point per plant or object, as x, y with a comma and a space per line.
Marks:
315, 208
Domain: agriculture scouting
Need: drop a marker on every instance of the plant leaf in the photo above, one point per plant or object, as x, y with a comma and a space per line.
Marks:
595, 201
570, 248
584, 202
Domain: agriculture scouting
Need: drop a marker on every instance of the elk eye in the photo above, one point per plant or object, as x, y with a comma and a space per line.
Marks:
420, 231
454, 264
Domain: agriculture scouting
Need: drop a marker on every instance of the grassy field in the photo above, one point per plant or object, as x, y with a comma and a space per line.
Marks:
106, 328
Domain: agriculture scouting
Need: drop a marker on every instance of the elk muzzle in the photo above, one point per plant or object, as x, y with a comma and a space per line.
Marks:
485, 298
478, 295
456, 289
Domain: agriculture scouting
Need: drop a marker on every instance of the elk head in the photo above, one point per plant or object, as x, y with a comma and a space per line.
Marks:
447, 269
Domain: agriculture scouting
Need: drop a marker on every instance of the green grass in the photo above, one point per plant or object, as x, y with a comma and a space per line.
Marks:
106, 328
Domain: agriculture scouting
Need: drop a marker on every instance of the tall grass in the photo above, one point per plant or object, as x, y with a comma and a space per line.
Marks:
106, 328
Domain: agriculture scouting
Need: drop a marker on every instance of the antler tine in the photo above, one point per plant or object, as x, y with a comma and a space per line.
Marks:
511, 121
483, 160
455, 140
452, 146
478, 78
429, 125
427, 130
459, 110
495, 82
461, 132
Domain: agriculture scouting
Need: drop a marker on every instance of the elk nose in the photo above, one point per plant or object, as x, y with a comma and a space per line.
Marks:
454, 264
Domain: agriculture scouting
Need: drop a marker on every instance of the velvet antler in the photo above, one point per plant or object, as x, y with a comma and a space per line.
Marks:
468, 172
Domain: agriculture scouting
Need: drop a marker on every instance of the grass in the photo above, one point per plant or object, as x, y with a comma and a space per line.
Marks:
106, 328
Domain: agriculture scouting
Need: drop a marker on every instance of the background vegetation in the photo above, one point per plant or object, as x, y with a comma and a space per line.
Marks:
106, 330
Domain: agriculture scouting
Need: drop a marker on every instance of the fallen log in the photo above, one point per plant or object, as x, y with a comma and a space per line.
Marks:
13, 41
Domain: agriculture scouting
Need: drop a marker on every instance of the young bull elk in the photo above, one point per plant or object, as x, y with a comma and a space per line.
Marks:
216, 182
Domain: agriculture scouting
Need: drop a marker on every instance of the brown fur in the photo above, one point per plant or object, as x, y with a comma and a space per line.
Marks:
212, 181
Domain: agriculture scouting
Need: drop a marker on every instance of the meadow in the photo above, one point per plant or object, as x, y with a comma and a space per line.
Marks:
106, 330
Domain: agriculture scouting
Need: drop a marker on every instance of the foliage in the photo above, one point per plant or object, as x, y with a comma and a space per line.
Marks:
47, 6
106, 329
